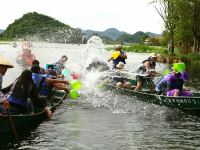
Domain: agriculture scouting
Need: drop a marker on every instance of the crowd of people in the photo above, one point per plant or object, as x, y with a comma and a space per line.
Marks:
33, 88
171, 84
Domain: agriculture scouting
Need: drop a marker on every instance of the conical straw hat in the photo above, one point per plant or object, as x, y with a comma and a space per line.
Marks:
5, 62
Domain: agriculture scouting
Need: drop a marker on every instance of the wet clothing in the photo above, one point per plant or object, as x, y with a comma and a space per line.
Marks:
21, 98
152, 63
119, 59
183, 93
141, 69
119, 76
146, 82
143, 77
43, 87
175, 83
161, 86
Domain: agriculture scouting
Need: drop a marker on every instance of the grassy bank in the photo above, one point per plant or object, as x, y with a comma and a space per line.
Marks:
5, 42
141, 48
191, 60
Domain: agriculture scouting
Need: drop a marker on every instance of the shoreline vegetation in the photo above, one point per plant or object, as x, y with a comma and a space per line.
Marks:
166, 57
190, 59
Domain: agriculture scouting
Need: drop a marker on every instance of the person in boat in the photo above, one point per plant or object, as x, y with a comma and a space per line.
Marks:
44, 83
26, 48
4, 103
161, 86
121, 58
22, 92
151, 61
51, 73
144, 76
119, 80
37, 63
60, 65
24, 96
175, 82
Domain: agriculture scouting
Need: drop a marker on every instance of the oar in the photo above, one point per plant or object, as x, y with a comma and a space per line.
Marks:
12, 125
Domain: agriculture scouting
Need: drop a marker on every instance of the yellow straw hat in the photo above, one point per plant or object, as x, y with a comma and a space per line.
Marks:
5, 62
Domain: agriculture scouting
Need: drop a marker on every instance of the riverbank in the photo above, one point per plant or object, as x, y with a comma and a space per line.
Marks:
189, 59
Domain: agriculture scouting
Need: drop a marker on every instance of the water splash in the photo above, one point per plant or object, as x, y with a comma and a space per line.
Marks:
94, 50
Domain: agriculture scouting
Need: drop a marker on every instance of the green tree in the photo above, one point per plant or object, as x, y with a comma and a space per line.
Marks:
166, 10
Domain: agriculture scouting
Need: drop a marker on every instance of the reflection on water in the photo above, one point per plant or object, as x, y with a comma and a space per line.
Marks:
104, 119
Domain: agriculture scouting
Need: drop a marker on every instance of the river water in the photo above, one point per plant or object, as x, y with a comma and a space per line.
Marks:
103, 120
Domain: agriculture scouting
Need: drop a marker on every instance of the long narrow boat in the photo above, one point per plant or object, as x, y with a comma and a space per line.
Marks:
180, 102
24, 122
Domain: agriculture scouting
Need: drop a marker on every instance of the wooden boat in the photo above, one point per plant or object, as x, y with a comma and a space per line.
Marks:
180, 102
25, 122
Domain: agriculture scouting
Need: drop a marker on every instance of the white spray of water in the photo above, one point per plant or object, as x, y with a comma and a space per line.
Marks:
94, 49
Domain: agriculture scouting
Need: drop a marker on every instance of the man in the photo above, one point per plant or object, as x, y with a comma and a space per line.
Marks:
144, 77
145, 72
151, 61
120, 80
121, 58
4, 65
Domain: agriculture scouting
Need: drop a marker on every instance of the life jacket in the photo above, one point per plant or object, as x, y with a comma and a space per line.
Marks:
43, 87
119, 59
152, 64
141, 69
19, 97
176, 83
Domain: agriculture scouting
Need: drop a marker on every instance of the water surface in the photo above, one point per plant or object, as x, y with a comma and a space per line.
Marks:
103, 119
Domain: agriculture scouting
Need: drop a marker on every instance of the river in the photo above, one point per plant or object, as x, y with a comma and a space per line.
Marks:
103, 120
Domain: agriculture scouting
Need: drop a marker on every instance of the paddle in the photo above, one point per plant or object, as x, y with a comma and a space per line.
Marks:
12, 126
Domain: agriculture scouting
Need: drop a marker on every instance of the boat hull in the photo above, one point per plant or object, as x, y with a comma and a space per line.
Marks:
180, 102
23, 122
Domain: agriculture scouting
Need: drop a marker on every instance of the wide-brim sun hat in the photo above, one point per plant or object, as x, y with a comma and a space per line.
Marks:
5, 62
117, 46
120, 65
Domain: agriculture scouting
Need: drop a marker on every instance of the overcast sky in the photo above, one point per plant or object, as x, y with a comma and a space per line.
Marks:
125, 15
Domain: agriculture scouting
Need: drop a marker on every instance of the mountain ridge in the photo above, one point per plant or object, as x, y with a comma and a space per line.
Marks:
114, 33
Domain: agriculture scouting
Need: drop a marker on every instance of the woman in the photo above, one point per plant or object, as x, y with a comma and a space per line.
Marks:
45, 83
175, 83
22, 92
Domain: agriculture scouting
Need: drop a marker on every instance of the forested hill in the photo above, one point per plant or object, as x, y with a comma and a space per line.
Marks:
41, 27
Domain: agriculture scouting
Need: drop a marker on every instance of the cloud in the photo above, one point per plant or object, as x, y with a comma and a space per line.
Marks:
126, 15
